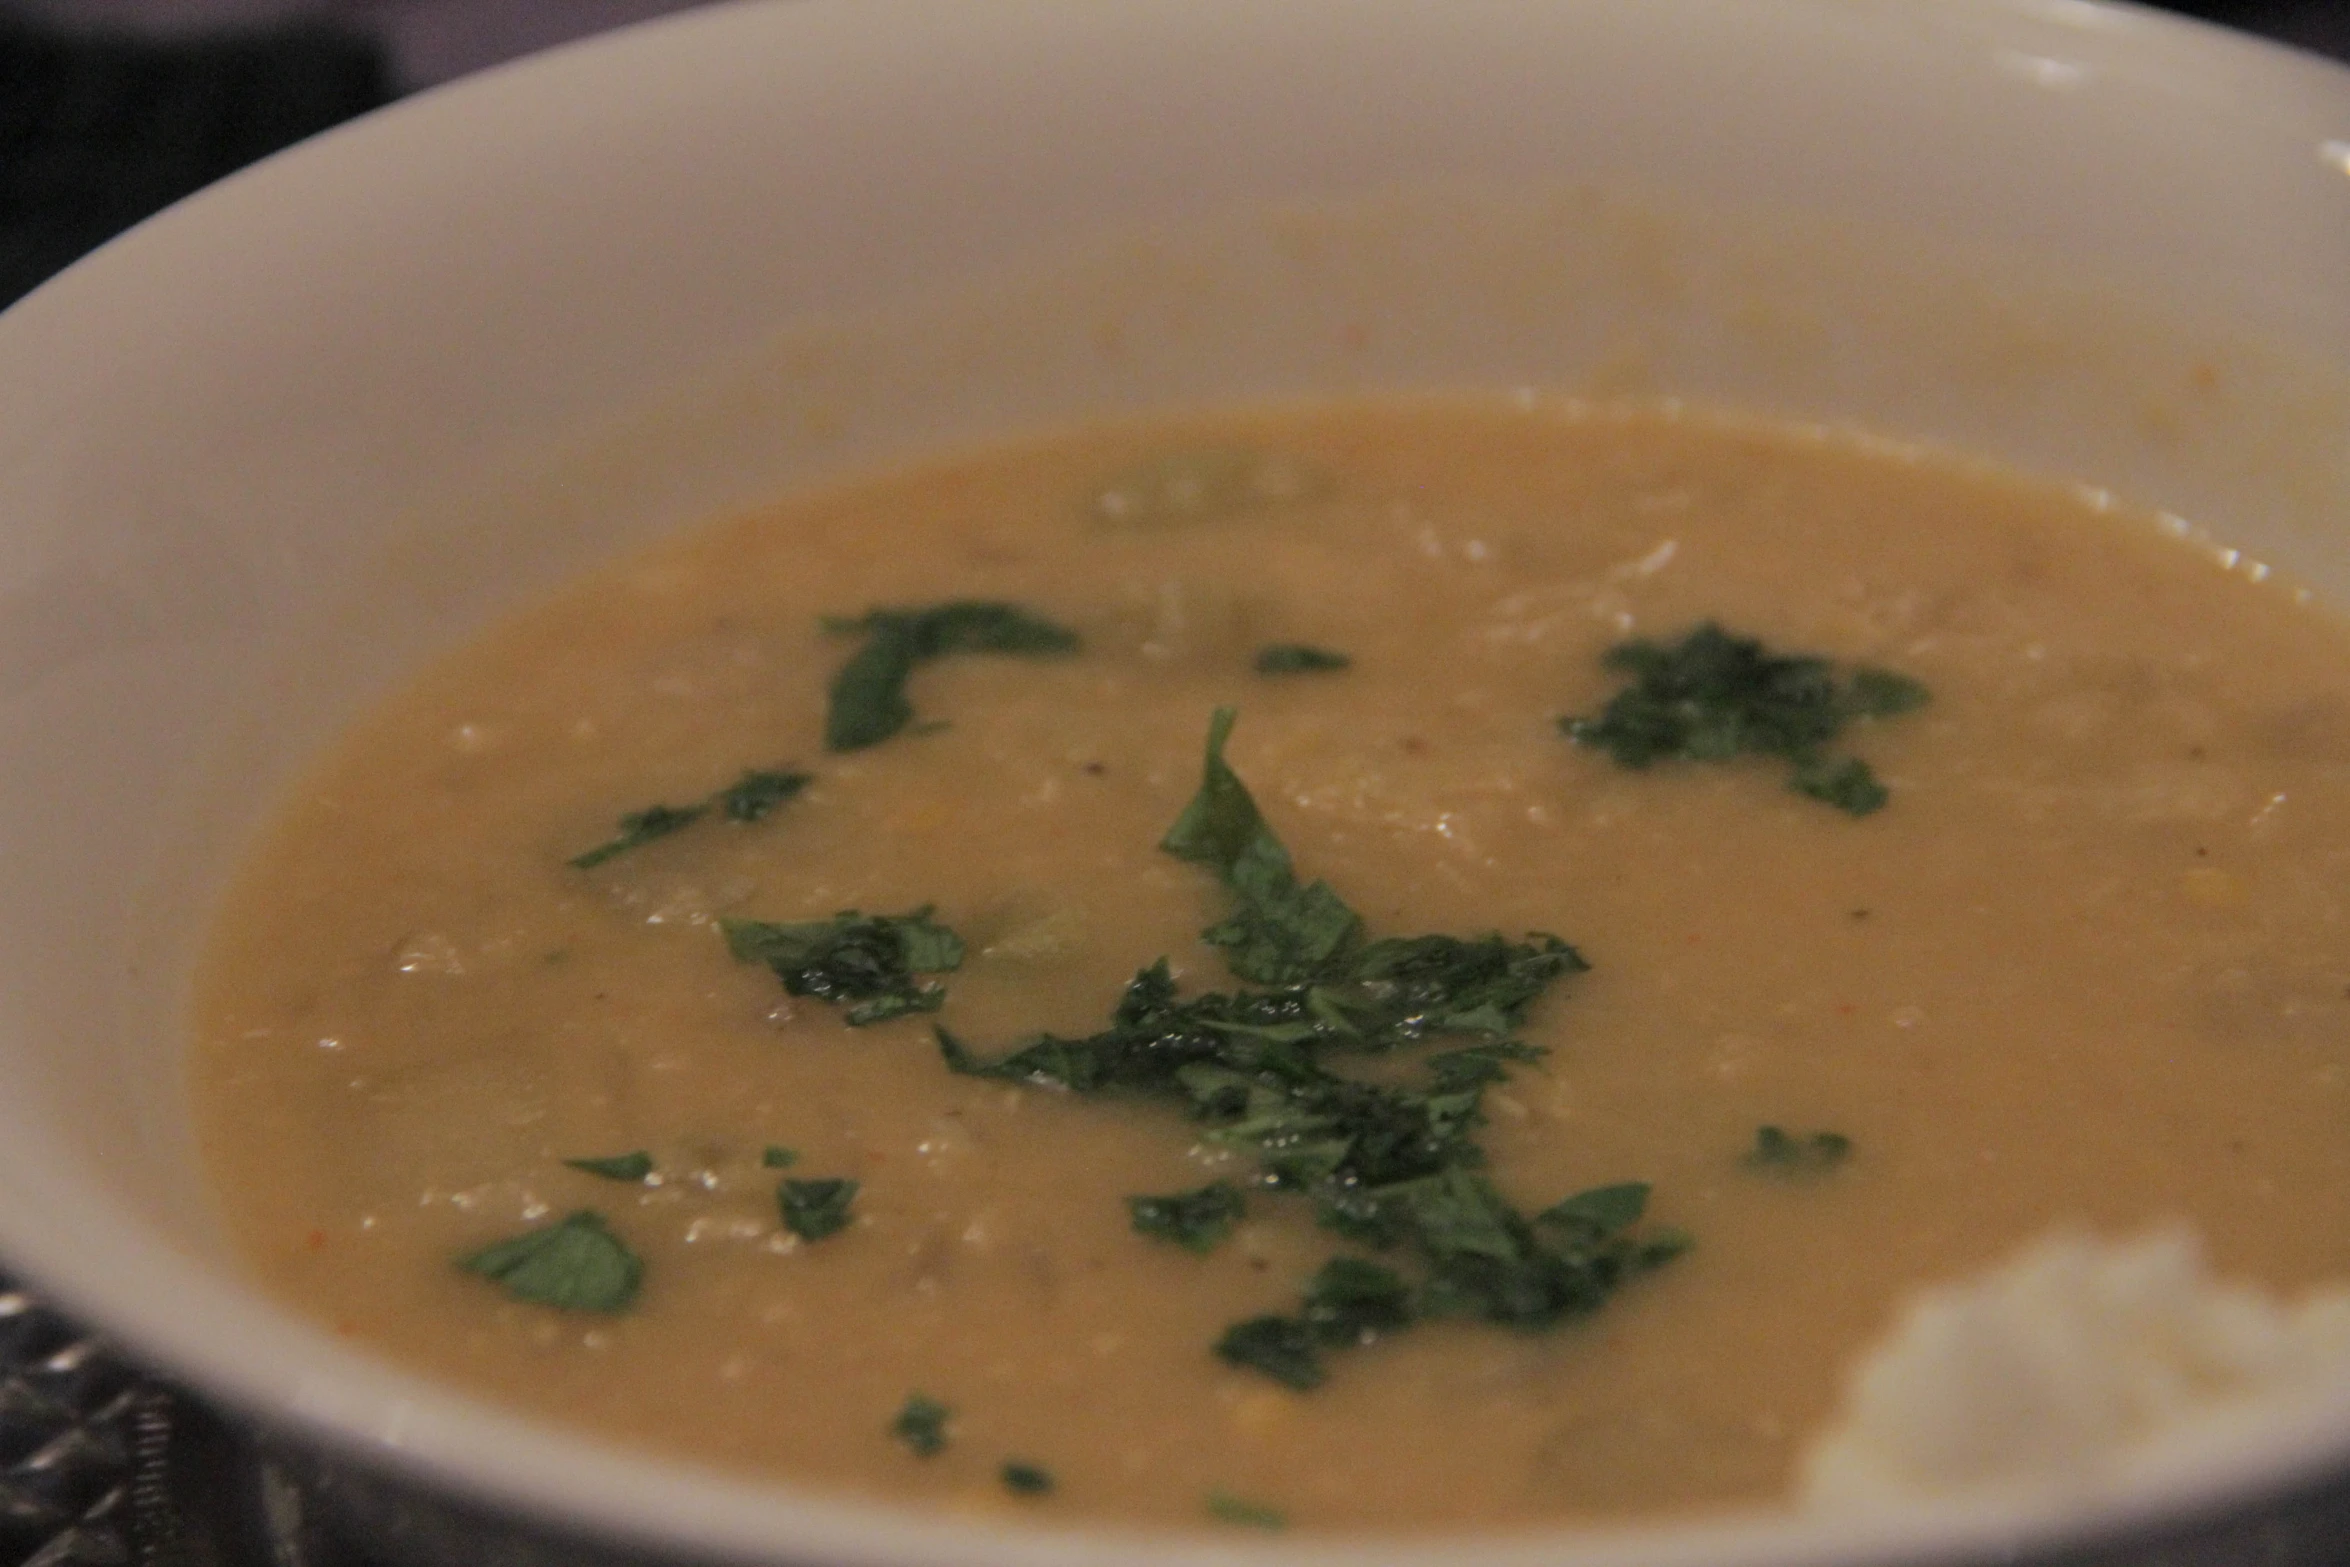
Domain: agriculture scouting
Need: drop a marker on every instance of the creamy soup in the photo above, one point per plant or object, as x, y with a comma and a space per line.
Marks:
524, 1049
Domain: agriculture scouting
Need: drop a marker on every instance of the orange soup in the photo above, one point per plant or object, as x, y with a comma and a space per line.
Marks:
811, 998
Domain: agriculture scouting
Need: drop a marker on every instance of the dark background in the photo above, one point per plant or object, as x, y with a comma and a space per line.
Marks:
113, 109
2323, 25
427, 41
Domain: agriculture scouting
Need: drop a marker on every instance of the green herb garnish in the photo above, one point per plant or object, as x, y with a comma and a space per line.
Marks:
619, 1167
1713, 696
1847, 785
575, 1265
867, 702
813, 1210
1389, 1163
922, 1425
1283, 933
1282, 1348
637, 829
1225, 1507
1250, 1063
777, 1157
753, 795
1483, 1259
1604, 1209
746, 800
1353, 1300
1781, 1152
1298, 658
1026, 1479
1199, 1220
865, 961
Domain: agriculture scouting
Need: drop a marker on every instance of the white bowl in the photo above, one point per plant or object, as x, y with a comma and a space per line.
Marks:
260, 455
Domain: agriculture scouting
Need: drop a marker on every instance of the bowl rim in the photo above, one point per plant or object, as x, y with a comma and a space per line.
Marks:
292, 1375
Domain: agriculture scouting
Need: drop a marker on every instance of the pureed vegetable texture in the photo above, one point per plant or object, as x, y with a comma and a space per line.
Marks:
746, 965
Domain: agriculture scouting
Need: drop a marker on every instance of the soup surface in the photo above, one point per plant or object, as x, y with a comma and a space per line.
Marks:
2083, 961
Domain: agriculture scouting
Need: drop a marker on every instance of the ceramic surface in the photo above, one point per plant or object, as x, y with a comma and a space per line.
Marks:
265, 452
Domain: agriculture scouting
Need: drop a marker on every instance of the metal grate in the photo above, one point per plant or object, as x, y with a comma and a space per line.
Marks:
103, 1466
74, 1425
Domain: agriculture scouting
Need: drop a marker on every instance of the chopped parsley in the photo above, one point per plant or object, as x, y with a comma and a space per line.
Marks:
1782, 1152
813, 1210
1353, 1300
922, 1425
1283, 933
746, 800
1282, 1348
637, 829
1848, 785
576, 1264
1482, 1259
864, 961
1026, 1479
867, 703
1713, 696
1388, 1164
1250, 1064
1199, 1220
752, 796
1225, 1507
619, 1167
1604, 1208
777, 1157
1299, 658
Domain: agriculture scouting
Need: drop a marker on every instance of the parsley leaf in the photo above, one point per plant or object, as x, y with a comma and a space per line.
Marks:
1883, 693
1220, 825
1285, 934
1026, 1479
922, 1425
1391, 1163
1282, 1348
1848, 785
1282, 932
575, 1265
1198, 1220
1249, 1065
746, 800
1299, 658
619, 1167
638, 828
867, 703
1661, 1245
777, 1157
1602, 1210
865, 961
1483, 1258
1352, 1301
1487, 1261
1427, 985
1225, 1507
813, 1210
1781, 1152
1713, 696
757, 792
